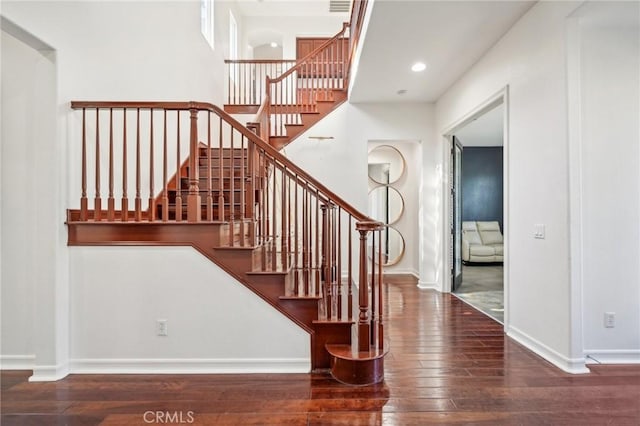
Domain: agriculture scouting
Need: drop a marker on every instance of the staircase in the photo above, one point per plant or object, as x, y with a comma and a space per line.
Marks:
301, 93
229, 193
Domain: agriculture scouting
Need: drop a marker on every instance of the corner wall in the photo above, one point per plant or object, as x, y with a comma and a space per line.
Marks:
609, 188
531, 61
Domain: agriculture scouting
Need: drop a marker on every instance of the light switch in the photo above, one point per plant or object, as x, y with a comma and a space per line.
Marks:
538, 231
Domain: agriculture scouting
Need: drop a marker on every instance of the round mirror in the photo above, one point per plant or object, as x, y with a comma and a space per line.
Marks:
386, 164
385, 204
392, 246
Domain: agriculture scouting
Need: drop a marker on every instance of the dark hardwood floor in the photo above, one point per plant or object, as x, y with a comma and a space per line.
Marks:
448, 364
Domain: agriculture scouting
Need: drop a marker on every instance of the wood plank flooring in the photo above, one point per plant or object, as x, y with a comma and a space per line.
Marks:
449, 364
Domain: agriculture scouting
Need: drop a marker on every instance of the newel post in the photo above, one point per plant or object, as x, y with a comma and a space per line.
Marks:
193, 198
364, 323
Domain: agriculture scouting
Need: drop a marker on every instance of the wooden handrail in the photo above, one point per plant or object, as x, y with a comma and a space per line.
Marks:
261, 143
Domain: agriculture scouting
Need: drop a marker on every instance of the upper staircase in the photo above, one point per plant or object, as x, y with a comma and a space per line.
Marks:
228, 192
294, 95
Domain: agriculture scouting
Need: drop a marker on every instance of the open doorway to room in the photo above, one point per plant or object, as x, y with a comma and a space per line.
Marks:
477, 212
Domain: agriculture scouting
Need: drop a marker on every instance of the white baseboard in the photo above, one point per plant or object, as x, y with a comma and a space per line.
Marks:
407, 271
428, 285
189, 366
612, 356
17, 362
49, 373
572, 366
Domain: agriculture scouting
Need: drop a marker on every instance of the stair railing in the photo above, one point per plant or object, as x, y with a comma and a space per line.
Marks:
313, 78
246, 79
265, 200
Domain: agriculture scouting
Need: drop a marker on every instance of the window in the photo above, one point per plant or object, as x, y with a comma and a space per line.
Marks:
207, 20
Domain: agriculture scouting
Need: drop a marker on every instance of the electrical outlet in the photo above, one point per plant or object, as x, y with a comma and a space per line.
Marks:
538, 231
609, 319
161, 327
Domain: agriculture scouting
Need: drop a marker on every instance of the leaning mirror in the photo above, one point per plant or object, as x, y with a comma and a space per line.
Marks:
386, 164
391, 246
385, 204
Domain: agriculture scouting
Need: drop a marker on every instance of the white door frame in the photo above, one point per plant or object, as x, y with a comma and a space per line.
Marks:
501, 97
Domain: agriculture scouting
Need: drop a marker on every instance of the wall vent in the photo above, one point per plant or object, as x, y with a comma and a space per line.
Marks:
339, 6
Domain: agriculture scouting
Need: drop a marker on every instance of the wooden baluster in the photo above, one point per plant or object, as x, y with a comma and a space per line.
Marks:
305, 238
350, 273
243, 189
339, 263
380, 301
165, 176
373, 317
296, 248
289, 233
97, 202
334, 64
138, 199
221, 176
125, 201
363, 300
264, 210
251, 204
178, 203
111, 200
232, 176
284, 245
325, 72
315, 250
83, 196
194, 201
326, 274
209, 199
274, 230
152, 206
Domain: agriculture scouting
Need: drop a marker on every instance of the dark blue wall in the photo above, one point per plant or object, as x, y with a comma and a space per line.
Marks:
482, 183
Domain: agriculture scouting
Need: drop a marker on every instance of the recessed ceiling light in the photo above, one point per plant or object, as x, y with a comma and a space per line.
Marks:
418, 66
274, 44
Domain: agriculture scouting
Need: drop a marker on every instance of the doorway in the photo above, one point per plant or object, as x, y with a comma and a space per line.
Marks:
476, 212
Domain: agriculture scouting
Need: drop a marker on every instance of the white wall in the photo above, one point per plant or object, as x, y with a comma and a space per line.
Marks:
103, 51
341, 163
610, 128
285, 29
408, 186
28, 90
214, 324
531, 60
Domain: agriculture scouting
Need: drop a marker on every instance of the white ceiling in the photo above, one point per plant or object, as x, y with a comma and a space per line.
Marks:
449, 36
486, 130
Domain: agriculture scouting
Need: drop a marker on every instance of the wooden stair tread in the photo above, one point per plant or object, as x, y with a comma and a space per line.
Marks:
350, 352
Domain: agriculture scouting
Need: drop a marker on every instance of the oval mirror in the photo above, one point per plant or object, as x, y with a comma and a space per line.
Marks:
385, 204
386, 164
391, 247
